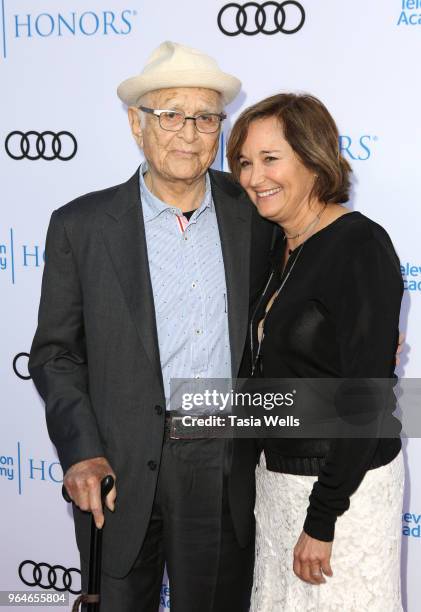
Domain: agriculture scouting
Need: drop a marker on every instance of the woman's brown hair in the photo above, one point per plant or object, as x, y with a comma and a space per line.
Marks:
310, 130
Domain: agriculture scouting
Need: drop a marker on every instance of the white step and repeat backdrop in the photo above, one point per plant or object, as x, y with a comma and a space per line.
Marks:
64, 132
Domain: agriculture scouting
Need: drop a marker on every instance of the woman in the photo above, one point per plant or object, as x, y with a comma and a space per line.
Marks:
327, 511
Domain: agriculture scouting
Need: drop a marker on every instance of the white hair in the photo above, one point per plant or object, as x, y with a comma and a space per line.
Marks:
143, 101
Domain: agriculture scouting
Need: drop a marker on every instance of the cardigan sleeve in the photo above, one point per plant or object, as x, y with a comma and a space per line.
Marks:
367, 320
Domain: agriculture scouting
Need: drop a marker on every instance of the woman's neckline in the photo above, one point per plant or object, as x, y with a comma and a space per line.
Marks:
324, 229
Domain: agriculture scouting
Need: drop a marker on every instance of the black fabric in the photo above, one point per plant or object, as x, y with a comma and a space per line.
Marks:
189, 213
190, 530
336, 316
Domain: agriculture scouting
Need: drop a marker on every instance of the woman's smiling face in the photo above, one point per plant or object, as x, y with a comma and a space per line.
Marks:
274, 177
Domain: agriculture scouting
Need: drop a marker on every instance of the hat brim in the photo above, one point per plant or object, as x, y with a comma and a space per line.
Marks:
131, 90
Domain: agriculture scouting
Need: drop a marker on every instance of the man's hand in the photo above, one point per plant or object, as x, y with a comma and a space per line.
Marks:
83, 483
312, 559
399, 348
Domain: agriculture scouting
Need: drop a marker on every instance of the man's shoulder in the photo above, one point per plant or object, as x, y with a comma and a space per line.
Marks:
89, 204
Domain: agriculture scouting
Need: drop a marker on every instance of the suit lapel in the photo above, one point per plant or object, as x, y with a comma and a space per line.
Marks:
234, 222
124, 235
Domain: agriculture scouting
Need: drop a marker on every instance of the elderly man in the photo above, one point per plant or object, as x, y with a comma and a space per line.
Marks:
147, 281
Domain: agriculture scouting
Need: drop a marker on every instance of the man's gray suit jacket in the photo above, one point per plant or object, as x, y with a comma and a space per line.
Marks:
95, 356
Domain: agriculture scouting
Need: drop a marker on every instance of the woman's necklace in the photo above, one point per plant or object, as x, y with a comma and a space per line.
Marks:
261, 325
309, 226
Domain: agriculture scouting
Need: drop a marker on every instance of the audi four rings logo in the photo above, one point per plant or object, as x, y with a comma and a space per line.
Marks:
48, 576
267, 18
41, 145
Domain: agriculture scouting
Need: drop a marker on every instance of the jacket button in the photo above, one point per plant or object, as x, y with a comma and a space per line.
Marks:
158, 409
152, 465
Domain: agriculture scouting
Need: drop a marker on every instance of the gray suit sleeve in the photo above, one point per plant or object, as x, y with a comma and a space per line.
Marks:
58, 361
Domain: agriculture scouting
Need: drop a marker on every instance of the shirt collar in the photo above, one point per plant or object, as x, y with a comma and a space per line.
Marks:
153, 206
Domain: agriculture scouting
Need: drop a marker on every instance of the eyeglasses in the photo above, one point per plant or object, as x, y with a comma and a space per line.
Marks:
173, 121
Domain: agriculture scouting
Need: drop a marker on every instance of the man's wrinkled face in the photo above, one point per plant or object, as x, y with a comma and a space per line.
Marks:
177, 156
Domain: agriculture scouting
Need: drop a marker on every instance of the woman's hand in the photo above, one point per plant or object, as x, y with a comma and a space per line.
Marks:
312, 559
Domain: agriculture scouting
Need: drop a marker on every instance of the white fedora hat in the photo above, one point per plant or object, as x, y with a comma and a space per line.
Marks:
174, 65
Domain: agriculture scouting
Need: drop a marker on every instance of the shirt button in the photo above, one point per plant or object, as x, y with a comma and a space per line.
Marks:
158, 409
185, 238
152, 465
198, 332
193, 285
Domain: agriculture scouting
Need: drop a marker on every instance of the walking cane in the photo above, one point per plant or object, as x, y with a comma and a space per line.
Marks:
92, 597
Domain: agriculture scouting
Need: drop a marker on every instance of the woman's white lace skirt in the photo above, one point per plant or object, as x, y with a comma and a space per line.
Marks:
366, 549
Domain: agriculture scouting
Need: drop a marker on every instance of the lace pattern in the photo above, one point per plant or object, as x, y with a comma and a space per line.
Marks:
366, 550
